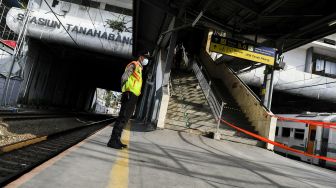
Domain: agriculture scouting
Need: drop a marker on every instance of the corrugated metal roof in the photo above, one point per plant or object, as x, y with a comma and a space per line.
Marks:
284, 23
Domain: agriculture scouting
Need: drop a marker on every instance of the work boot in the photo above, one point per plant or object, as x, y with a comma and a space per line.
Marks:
114, 143
120, 143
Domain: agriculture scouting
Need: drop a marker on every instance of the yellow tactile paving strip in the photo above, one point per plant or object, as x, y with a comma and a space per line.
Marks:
120, 169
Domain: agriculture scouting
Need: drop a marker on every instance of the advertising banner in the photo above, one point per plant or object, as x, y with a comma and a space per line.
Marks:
90, 28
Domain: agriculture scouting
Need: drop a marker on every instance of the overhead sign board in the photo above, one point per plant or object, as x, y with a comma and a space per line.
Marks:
235, 48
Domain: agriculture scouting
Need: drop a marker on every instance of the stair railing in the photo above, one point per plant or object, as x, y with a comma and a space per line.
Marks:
216, 105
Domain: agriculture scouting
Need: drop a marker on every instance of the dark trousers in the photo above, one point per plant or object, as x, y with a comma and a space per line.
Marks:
128, 103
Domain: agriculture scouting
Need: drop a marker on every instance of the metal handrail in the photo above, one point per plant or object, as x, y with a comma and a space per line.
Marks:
216, 105
208, 78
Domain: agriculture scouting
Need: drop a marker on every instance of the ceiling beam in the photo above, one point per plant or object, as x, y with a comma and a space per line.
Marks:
299, 42
308, 33
293, 16
208, 19
272, 6
252, 7
204, 5
267, 10
323, 22
162, 6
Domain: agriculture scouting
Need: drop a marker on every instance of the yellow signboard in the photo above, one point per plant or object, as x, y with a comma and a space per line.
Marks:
246, 51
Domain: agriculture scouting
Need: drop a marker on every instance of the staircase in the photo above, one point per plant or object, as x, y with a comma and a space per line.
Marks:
188, 108
189, 111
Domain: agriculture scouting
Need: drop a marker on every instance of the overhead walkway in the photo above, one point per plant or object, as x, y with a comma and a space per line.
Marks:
169, 158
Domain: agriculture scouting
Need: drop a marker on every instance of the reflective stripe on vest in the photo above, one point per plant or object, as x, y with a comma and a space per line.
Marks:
134, 81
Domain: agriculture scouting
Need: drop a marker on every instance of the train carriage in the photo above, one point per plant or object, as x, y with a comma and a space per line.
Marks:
312, 139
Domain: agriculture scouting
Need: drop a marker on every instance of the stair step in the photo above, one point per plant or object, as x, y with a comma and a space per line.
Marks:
191, 113
247, 128
186, 99
210, 125
226, 134
188, 94
185, 83
203, 126
200, 107
195, 107
236, 136
242, 140
199, 120
235, 119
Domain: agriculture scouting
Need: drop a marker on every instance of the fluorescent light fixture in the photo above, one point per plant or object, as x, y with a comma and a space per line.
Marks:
332, 23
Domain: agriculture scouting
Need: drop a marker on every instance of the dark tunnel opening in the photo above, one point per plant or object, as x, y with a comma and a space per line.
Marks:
58, 76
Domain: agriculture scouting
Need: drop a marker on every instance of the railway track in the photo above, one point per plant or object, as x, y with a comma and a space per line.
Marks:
9, 116
29, 116
19, 158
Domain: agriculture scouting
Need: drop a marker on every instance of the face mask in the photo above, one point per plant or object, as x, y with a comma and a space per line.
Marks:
144, 62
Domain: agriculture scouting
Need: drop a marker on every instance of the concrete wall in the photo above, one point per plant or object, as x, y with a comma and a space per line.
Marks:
259, 117
12, 92
296, 59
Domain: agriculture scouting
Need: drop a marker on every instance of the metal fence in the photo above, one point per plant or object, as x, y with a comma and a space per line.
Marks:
8, 91
5, 32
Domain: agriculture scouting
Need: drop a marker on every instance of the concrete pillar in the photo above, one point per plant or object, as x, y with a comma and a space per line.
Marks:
267, 87
102, 6
163, 110
158, 85
271, 132
309, 60
165, 83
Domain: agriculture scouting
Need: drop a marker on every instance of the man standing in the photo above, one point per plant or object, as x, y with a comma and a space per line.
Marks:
131, 83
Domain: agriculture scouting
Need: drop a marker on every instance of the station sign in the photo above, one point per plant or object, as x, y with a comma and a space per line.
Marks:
235, 48
89, 28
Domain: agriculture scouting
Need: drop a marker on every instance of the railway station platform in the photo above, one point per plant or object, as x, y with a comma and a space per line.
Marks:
167, 158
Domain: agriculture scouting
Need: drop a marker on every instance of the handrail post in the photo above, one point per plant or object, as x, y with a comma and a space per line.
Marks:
217, 135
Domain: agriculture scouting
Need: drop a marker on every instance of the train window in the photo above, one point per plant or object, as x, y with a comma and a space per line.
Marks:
285, 132
312, 135
276, 131
299, 134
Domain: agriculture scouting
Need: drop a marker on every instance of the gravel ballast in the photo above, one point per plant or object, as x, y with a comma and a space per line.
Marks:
16, 131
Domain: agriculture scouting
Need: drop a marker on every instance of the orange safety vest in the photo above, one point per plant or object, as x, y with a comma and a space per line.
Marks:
134, 81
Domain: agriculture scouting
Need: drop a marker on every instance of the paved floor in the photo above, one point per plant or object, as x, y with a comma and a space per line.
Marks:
166, 158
